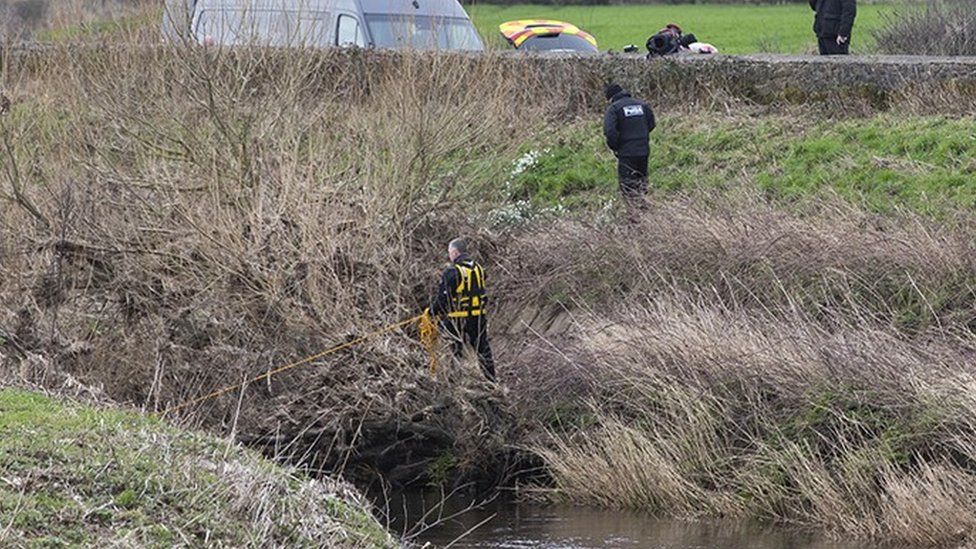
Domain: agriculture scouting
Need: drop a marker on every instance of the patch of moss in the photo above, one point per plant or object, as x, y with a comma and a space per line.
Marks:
439, 470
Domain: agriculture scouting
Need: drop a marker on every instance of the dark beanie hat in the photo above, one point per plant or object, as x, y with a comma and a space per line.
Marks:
612, 90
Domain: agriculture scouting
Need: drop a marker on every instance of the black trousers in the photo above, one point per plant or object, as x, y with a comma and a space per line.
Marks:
829, 46
473, 331
632, 174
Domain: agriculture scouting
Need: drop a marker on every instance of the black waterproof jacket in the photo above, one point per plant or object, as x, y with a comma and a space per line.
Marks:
626, 125
441, 303
834, 17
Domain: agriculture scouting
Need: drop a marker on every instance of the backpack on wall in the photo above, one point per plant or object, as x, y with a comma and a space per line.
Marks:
669, 40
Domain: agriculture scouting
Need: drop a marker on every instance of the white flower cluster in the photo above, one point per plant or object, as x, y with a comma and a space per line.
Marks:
526, 162
522, 211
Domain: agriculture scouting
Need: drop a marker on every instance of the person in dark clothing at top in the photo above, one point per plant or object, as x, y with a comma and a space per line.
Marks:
833, 25
626, 126
460, 300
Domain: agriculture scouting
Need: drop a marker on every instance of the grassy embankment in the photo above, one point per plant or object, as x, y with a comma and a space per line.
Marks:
784, 28
77, 475
787, 333
881, 163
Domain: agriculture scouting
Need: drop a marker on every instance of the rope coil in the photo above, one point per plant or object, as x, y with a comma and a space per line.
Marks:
428, 338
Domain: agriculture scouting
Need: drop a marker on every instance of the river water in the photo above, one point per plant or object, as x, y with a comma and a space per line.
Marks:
508, 525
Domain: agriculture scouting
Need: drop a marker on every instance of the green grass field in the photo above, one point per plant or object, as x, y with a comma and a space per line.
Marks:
731, 28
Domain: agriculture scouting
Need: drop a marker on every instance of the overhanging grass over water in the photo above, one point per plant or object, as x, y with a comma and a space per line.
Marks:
702, 411
740, 361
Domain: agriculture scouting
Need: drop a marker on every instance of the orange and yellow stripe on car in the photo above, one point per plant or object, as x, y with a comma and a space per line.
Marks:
517, 32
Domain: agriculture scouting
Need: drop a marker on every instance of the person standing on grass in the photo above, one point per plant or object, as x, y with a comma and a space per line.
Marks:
460, 301
627, 125
833, 24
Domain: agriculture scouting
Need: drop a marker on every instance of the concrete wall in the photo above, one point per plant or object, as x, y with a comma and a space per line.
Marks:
575, 85
875, 81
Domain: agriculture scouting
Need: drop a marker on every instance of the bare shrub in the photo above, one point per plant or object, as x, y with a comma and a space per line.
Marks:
192, 217
933, 27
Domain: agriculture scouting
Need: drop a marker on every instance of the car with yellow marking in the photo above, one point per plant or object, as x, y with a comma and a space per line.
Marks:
547, 35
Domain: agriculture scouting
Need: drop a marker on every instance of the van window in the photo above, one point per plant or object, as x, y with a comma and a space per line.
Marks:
269, 28
348, 32
424, 33
231, 27
220, 27
312, 30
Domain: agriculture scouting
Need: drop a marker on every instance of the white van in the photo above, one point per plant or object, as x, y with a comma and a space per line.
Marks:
396, 24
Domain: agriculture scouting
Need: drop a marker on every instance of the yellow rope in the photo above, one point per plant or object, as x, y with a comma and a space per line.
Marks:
305, 360
428, 338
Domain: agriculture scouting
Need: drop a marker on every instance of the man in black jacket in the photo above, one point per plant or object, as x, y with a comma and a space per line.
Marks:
460, 299
833, 24
626, 126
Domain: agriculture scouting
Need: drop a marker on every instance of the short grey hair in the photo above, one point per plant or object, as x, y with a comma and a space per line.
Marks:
460, 244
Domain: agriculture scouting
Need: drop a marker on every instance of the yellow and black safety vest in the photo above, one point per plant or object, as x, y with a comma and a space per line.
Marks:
469, 294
